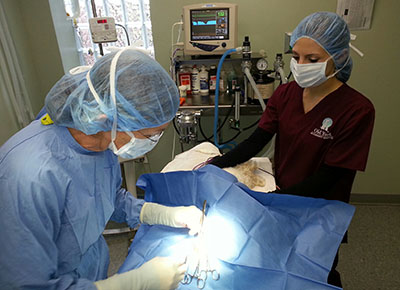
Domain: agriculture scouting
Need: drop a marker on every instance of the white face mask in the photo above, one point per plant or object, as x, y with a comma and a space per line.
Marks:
311, 74
135, 147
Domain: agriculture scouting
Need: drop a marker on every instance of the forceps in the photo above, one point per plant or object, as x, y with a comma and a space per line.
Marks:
201, 275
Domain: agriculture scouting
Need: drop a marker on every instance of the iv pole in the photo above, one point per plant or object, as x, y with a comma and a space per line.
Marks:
95, 15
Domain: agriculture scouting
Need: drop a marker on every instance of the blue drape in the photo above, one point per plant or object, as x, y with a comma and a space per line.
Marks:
266, 241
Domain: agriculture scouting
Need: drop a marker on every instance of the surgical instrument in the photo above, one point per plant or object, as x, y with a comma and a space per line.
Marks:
201, 273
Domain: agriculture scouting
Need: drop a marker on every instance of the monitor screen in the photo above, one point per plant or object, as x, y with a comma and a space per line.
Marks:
209, 24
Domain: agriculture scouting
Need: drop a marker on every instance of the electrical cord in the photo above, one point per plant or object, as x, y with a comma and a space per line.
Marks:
209, 139
176, 128
203, 134
240, 131
252, 125
172, 33
173, 146
234, 137
231, 139
172, 52
173, 64
201, 128
179, 134
126, 33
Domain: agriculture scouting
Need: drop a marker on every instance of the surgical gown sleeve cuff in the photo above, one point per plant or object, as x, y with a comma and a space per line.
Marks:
127, 208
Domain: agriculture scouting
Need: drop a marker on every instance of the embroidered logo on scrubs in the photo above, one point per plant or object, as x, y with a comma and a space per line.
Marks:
323, 132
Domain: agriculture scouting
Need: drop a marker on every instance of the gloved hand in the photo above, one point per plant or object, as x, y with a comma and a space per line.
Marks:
160, 273
178, 217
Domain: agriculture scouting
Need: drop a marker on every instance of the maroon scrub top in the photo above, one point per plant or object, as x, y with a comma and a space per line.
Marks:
336, 132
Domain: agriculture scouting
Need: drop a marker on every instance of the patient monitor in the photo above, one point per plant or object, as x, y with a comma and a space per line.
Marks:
210, 28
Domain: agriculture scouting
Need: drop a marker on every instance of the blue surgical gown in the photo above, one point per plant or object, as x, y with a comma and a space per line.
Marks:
55, 200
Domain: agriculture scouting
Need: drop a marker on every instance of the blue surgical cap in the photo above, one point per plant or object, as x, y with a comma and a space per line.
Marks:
146, 96
330, 31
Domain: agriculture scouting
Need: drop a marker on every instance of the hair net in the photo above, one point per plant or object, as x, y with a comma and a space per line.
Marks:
330, 31
146, 96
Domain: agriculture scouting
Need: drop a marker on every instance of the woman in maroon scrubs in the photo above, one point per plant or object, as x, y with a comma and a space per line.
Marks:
323, 127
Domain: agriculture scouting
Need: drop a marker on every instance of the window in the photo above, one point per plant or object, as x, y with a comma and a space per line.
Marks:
133, 15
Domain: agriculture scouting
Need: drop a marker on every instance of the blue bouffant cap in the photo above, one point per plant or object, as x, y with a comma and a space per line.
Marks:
146, 96
330, 31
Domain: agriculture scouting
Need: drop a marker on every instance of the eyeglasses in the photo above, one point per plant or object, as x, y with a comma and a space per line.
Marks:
153, 138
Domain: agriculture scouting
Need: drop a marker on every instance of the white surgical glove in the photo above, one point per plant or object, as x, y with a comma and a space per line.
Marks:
160, 273
178, 217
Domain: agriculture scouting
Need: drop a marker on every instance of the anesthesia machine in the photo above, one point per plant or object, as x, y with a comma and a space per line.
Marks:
229, 76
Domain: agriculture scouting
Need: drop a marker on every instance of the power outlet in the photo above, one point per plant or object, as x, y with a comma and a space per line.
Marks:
286, 46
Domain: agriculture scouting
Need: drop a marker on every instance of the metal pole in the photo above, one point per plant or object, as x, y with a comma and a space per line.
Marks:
95, 15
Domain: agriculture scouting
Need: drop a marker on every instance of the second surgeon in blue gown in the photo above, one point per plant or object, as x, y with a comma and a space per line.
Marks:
60, 180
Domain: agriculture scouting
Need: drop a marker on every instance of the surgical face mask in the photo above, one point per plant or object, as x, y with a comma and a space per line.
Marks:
311, 74
135, 147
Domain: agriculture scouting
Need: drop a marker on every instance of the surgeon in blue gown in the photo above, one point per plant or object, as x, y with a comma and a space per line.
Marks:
60, 180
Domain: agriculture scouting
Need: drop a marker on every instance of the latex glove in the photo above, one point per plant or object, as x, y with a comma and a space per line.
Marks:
160, 273
178, 217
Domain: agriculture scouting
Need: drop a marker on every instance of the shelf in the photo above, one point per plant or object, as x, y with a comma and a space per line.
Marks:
233, 58
207, 104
